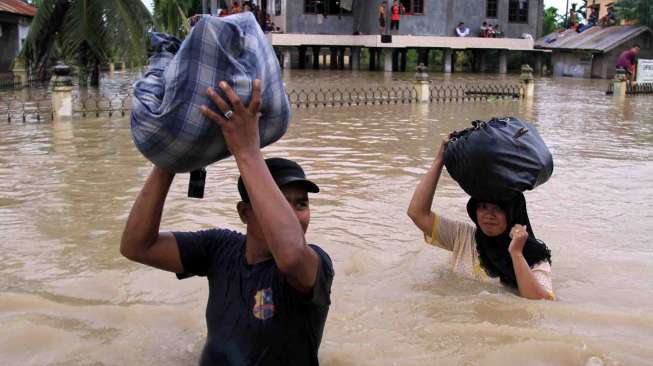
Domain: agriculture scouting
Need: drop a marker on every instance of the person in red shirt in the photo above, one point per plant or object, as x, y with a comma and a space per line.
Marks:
395, 15
627, 61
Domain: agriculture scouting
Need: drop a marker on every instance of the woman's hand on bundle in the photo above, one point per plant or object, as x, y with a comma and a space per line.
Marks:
239, 123
443, 147
519, 235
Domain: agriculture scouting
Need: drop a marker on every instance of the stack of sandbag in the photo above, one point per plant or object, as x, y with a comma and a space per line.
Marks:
167, 126
495, 160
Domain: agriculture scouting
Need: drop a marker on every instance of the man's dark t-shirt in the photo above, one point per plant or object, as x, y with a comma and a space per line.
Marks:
254, 317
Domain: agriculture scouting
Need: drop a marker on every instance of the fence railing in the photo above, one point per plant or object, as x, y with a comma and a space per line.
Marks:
633, 89
9, 81
451, 93
347, 97
14, 111
121, 104
96, 105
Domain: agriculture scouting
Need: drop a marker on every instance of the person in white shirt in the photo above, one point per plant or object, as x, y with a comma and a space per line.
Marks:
461, 30
499, 246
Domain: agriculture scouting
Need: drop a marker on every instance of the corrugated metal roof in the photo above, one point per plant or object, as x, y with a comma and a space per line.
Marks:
596, 39
17, 7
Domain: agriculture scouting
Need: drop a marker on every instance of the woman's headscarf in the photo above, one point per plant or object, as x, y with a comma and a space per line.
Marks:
493, 251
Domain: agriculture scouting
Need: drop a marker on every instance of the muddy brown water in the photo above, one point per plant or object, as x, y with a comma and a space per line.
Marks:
67, 297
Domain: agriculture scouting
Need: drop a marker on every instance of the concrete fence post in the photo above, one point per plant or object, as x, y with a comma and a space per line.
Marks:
62, 87
20, 71
526, 80
422, 84
619, 84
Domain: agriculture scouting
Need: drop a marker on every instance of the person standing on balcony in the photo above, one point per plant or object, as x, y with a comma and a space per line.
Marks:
382, 7
396, 11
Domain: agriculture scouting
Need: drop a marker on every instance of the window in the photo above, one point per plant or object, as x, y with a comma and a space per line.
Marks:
518, 11
326, 7
413, 6
491, 9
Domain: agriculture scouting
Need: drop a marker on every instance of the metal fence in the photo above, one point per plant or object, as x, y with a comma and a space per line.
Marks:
633, 89
101, 104
9, 81
13, 111
451, 93
121, 104
347, 97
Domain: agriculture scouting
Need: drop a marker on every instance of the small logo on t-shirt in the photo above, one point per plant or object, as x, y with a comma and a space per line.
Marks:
263, 304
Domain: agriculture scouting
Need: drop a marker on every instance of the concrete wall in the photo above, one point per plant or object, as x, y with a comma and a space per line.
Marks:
14, 31
439, 19
8, 45
575, 64
298, 22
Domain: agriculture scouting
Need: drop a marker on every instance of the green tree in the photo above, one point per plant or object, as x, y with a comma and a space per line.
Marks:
171, 16
641, 10
87, 33
552, 20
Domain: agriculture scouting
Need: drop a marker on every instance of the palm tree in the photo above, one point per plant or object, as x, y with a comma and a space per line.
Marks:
171, 16
87, 33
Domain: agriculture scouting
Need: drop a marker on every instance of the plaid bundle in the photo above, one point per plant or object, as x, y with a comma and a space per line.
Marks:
166, 123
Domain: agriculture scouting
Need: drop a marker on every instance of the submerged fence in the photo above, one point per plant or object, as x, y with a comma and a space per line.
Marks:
633, 89
121, 104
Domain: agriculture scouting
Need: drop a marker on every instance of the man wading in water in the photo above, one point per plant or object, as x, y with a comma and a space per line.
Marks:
269, 291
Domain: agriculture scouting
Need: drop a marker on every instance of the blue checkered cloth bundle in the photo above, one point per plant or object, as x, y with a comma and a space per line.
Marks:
166, 123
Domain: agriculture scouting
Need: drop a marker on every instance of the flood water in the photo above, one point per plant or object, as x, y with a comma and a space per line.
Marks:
67, 297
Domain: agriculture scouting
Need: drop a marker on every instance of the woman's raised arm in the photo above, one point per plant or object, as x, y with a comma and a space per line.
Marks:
419, 209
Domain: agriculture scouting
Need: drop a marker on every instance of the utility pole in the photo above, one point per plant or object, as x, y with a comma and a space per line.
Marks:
205, 7
567, 15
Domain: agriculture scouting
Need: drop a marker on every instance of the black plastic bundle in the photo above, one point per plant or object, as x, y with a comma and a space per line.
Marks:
494, 160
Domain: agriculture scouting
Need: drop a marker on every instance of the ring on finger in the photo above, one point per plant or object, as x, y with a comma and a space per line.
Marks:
228, 114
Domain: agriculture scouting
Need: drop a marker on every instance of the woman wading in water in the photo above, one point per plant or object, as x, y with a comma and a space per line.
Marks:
500, 245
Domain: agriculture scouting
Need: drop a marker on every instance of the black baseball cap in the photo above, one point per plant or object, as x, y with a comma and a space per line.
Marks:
283, 172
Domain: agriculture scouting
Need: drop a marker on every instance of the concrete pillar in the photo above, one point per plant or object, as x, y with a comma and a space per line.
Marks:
422, 84
302, 57
20, 71
123, 66
423, 56
355, 60
402, 66
476, 61
341, 58
287, 59
316, 57
334, 58
387, 59
619, 84
482, 67
378, 59
448, 62
526, 80
395, 60
537, 68
503, 61
62, 96
112, 68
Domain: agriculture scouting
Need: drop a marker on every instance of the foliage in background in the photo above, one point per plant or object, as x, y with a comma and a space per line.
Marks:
87, 33
171, 16
641, 10
552, 20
